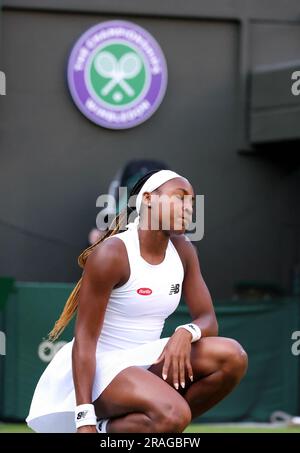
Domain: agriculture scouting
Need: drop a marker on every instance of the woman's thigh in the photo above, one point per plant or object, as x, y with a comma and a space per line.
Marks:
135, 389
207, 356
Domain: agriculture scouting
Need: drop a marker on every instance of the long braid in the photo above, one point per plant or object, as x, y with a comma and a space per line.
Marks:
72, 302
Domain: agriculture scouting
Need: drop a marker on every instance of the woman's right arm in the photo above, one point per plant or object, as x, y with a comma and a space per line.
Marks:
103, 270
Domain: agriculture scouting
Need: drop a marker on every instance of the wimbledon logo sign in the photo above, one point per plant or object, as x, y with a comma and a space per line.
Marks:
117, 74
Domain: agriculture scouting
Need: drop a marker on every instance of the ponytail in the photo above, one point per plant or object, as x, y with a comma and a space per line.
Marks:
72, 302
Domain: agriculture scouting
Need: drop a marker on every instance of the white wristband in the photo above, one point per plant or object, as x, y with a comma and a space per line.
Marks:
194, 329
85, 415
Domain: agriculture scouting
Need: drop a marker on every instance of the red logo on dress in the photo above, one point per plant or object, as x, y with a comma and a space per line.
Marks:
144, 291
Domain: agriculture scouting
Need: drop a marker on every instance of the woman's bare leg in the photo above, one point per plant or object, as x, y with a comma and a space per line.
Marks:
218, 366
138, 401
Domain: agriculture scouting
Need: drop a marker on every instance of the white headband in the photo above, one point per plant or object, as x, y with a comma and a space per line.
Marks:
152, 183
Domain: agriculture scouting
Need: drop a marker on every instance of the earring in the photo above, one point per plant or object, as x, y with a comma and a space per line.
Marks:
149, 205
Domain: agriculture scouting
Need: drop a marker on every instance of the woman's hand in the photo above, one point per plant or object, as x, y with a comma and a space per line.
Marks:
87, 429
177, 353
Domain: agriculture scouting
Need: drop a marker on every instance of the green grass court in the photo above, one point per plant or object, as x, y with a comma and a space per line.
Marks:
193, 428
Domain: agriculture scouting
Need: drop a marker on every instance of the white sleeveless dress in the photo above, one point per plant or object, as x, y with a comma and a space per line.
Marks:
130, 336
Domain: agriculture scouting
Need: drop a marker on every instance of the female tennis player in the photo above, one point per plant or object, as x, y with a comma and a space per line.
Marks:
117, 375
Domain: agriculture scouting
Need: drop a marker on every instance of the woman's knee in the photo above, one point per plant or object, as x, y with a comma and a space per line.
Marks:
171, 417
234, 358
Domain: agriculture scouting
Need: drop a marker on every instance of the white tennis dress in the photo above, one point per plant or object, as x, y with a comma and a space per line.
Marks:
130, 335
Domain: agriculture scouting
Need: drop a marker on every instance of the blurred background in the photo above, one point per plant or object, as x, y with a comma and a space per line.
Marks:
229, 122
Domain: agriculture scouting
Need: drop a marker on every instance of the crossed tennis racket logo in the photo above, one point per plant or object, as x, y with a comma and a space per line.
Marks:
118, 71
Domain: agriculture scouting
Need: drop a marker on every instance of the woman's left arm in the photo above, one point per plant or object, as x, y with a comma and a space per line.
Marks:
197, 297
196, 293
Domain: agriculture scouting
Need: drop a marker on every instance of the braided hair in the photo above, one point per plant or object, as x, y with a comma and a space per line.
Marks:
119, 222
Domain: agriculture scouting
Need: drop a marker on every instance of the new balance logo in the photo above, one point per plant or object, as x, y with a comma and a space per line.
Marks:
99, 426
174, 288
81, 414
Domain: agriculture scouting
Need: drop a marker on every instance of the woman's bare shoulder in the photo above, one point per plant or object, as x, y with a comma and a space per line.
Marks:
109, 256
184, 247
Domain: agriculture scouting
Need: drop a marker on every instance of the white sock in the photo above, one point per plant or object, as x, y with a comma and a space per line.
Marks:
101, 425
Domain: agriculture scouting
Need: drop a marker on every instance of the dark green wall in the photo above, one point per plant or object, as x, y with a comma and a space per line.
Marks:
263, 327
54, 162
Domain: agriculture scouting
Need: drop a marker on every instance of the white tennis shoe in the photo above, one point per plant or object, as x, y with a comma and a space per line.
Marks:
101, 425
